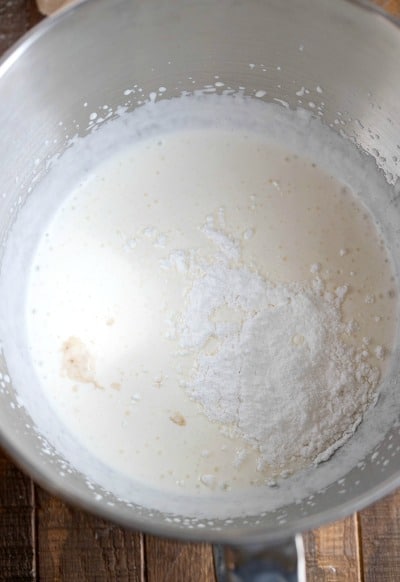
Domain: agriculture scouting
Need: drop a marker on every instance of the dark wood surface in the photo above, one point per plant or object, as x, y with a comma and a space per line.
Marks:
42, 538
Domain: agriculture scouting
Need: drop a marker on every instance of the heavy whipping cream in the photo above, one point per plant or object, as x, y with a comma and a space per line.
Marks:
212, 307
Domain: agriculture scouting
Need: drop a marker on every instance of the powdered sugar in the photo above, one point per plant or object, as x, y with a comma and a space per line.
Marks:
281, 373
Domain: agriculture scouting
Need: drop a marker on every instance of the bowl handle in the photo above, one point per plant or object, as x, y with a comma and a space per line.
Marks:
279, 562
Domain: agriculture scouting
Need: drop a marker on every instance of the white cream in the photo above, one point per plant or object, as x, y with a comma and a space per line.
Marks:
109, 272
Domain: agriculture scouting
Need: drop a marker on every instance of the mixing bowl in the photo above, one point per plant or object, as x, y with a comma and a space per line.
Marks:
339, 60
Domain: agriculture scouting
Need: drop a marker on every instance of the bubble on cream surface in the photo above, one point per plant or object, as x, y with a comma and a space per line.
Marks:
114, 252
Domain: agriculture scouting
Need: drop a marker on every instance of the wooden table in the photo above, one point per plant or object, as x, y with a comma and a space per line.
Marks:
42, 538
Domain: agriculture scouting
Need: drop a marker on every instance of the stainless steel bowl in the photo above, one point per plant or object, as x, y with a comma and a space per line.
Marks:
94, 51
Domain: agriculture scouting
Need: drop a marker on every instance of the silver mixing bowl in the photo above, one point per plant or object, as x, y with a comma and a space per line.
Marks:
96, 50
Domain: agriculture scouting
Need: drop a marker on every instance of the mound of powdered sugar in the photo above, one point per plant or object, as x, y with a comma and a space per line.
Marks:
273, 362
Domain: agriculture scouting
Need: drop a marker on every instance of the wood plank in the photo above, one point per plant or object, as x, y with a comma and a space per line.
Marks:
17, 547
49, 6
171, 561
380, 536
16, 18
73, 545
332, 553
391, 6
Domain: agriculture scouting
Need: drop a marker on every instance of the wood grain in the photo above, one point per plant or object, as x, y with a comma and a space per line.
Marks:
380, 534
17, 513
16, 18
73, 545
333, 553
391, 6
170, 561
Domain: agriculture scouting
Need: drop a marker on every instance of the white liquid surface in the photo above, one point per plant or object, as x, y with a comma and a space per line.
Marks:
100, 254
106, 278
